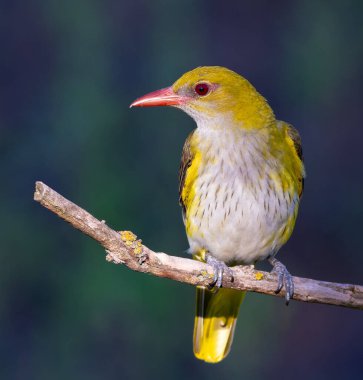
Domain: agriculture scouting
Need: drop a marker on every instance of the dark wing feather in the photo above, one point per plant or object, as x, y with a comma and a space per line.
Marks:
185, 162
294, 135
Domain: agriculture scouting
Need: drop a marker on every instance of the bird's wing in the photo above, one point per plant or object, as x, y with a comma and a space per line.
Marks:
186, 160
294, 140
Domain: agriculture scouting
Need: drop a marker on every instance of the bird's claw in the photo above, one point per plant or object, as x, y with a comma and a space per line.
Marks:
284, 278
219, 269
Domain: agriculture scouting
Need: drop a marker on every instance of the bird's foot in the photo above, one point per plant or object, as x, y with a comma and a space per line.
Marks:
284, 278
219, 268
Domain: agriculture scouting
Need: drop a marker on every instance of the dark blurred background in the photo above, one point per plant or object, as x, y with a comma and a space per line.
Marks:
68, 72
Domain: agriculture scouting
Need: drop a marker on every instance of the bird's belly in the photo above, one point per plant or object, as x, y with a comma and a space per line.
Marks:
240, 223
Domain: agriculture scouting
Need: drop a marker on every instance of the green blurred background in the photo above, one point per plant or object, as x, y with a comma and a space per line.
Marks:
68, 72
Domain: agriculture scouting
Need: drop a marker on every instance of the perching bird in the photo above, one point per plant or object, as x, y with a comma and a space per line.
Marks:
241, 179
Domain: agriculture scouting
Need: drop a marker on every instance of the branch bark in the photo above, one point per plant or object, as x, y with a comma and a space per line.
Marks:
125, 248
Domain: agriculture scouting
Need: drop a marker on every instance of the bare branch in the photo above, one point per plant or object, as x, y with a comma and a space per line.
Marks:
124, 248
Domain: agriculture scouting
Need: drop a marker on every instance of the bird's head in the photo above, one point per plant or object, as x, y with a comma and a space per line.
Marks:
213, 95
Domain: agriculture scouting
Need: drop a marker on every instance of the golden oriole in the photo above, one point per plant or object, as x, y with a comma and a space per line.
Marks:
241, 178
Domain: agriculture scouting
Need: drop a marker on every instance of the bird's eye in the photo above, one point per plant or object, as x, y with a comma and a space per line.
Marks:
202, 89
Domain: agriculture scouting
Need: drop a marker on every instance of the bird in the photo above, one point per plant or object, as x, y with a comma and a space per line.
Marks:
241, 178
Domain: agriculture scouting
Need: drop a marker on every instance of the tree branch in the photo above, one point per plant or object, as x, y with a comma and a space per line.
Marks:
124, 248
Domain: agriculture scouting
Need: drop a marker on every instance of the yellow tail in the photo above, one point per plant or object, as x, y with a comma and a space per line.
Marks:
214, 324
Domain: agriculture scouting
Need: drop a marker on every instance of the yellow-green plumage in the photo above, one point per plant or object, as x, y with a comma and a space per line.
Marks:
241, 178
215, 321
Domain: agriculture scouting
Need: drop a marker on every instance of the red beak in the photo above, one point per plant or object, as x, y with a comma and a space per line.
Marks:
163, 97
